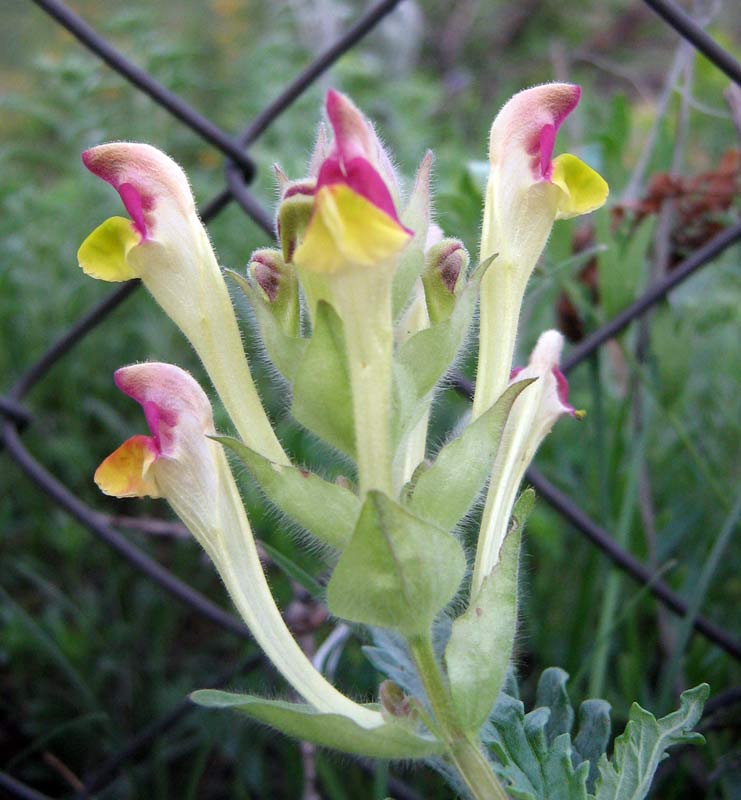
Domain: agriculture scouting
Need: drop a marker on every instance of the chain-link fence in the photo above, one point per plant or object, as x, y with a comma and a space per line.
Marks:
239, 171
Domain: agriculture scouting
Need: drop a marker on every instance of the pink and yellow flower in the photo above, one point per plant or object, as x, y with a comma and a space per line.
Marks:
165, 244
178, 461
354, 219
528, 189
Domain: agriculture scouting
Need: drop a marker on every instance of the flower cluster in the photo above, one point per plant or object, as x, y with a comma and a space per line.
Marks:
363, 306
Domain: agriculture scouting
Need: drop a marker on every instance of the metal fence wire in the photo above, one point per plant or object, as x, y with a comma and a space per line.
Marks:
239, 171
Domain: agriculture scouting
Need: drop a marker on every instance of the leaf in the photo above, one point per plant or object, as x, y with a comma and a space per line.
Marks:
480, 646
322, 398
283, 350
643, 745
397, 571
328, 730
552, 694
446, 491
416, 217
593, 737
326, 510
424, 359
390, 656
531, 768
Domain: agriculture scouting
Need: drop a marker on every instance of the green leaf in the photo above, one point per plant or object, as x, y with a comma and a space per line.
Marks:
397, 571
416, 217
283, 350
424, 359
326, 510
322, 398
446, 491
643, 745
480, 645
328, 730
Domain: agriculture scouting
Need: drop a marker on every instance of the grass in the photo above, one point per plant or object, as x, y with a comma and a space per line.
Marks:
90, 652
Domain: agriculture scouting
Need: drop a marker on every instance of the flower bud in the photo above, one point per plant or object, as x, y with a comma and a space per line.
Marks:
445, 262
395, 705
278, 286
294, 214
533, 415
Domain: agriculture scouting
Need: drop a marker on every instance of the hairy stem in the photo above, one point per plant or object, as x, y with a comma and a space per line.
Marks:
463, 750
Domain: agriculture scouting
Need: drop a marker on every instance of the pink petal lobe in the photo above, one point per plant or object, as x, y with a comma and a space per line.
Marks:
547, 142
135, 205
360, 176
352, 132
167, 394
562, 389
531, 120
144, 177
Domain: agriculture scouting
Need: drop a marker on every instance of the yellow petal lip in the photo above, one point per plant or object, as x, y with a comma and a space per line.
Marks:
103, 255
583, 189
346, 229
126, 472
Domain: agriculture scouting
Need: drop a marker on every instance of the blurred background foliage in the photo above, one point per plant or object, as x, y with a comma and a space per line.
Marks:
91, 652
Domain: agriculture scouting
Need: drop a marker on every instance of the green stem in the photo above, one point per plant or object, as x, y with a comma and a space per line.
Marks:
362, 298
476, 771
463, 750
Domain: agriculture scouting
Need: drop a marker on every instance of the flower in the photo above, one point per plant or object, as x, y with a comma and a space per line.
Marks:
527, 191
354, 219
178, 461
165, 244
533, 415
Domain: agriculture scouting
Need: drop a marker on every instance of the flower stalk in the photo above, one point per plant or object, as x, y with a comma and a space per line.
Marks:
363, 308
463, 750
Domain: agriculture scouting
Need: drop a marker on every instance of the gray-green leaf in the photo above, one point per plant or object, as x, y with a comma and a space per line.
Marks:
397, 571
593, 737
528, 766
552, 694
643, 745
328, 730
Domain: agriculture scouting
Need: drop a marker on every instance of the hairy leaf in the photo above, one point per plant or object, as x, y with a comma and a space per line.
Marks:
424, 359
446, 491
322, 398
643, 745
397, 571
480, 646
283, 350
328, 730
326, 510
